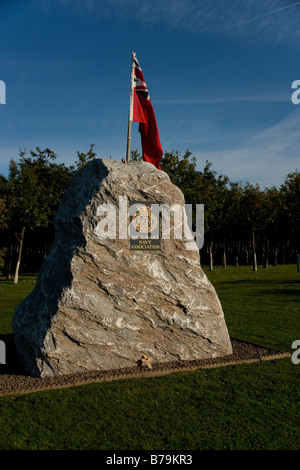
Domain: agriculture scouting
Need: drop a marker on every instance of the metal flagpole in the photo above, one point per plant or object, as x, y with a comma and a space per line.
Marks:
128, 141
130, 109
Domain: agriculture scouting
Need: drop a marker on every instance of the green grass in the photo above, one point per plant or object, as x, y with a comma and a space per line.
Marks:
252, 406
11, 295
239, 407
261, 306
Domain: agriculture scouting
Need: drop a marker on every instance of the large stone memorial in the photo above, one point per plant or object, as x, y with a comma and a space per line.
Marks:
100, 304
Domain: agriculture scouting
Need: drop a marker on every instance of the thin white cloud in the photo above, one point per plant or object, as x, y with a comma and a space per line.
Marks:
264, 157
277, 10
256, 20
247, 97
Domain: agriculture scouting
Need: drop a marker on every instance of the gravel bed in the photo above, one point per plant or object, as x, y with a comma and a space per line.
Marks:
15, 380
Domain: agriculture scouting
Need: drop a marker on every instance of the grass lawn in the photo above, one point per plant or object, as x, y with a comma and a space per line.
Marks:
261, 306
239, 407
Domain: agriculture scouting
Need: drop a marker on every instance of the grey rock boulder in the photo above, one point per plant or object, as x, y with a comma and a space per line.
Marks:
97, 304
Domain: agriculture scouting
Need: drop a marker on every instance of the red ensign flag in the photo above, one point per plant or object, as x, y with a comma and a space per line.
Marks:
142, 112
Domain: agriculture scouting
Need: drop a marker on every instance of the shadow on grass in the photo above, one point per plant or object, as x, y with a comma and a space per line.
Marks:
261, 282
13, 365
22, 278
290, 292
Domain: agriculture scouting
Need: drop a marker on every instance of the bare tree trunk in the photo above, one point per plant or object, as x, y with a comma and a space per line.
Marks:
254, 252
16, 277
266, 257
224, 256
247, 256
275, 255
237, 256
211, 264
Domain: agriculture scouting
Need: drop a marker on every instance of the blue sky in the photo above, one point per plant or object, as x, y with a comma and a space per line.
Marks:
219, 73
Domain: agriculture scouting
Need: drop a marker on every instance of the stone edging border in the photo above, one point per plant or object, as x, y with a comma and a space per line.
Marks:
138, 372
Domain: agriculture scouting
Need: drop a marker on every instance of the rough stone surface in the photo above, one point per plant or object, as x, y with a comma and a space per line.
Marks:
97, 305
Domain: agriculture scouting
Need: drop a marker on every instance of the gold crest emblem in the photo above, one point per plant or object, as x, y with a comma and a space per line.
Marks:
144, 221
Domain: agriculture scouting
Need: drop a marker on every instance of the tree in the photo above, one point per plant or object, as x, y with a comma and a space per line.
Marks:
253, 214
236, 216
83, 158
270, 215
34, 189
3, 211
3, 221
290, 209
135, 156
213, 193
234, 220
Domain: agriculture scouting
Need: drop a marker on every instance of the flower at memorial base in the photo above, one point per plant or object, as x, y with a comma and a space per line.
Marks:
145, 361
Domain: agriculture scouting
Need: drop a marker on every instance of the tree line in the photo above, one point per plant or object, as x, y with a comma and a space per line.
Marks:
243, 223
